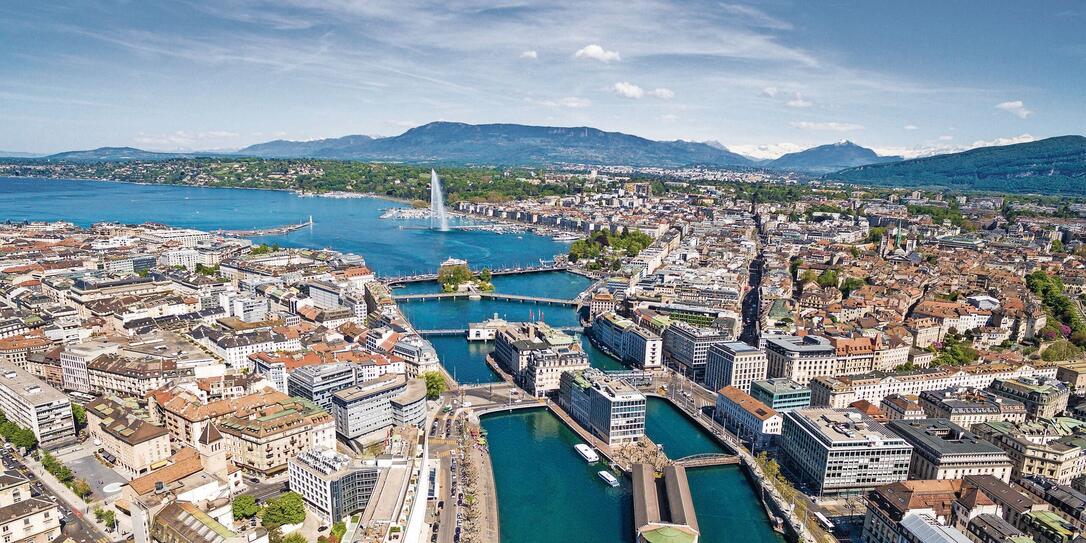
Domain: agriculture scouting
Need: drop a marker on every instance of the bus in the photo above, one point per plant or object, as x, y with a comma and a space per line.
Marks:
825, 522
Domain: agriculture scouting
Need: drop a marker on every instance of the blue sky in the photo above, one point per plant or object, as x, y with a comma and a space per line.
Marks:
762, 78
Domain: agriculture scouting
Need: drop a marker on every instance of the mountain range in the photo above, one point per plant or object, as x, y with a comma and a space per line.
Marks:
829, 158
505, 144
1049, 166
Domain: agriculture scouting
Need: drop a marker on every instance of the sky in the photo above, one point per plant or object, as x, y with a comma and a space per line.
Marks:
764, 78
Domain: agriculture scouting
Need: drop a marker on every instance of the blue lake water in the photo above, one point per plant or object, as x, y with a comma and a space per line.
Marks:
546, 492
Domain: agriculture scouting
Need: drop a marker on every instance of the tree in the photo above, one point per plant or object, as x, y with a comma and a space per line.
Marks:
245, 506
295, 537
435, 384
105, 516
79, 414
851, 284
1061, 350
485, 275
81, 488
286, 509
828, 278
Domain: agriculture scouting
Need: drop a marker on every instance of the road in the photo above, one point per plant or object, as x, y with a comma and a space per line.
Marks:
81, 530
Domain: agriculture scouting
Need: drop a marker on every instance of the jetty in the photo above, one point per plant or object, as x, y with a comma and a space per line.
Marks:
260, 232
487, 296
517, 270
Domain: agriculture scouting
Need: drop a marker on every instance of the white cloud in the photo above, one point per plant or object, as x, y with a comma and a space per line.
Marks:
946, 137
930, 149
1015, 107
184, 138
756, 16
596, 52
798, 101
766, 150
830, 126
530, 55
572, 102
770, 92
911, 127
665, 94
628, 90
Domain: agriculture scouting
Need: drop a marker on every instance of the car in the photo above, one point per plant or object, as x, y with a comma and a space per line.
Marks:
441, 504
322, 528
254, 480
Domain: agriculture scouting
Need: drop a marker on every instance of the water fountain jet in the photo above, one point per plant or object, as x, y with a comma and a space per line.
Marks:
438, 219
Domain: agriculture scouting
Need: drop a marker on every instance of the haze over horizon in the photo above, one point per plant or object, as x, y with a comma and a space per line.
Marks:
762, 78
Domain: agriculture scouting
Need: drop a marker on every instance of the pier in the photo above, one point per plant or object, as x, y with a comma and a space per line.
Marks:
260, 232
487, 296
518, 270
464, 331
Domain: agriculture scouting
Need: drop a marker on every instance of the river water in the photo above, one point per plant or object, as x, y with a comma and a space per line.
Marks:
547, 493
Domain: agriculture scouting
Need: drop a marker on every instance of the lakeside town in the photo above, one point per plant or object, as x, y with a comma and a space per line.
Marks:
884, 365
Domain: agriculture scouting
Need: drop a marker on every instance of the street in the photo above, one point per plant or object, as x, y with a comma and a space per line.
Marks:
73, 523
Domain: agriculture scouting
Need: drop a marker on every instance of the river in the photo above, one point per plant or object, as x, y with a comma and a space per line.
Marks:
546, 491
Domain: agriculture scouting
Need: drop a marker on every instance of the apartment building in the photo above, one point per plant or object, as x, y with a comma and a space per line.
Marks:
841, 391
841, 451
126, 376
261, 440
134, 446
24, 518
608, 407
944, 450
1044, 398
968, 406
30, 403
318, 382
1039, 447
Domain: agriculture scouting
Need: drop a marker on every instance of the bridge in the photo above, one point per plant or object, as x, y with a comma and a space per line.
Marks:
488, 296
543, 267
464, 331
707, 459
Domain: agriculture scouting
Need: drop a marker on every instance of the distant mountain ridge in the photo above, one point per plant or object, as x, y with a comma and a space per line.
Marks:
505, 144
829, 158
118, 154
1049, 166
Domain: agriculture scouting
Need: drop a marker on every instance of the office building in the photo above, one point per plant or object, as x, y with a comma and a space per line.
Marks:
841, 451
333, 485
800, 358
781, 394
374, 406
634, 345
608, 407
686, 347
1040, 447
944, 450
546, 366
318, 382
28, 402
734, 364
74, 360
747, 418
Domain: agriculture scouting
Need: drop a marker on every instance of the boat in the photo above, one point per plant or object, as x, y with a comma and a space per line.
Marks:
587, 453
569, 238
608, 478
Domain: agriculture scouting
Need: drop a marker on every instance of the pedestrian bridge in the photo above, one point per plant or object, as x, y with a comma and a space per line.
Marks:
487, 296
707, 459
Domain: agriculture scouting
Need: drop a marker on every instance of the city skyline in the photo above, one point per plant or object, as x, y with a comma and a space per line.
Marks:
762, 78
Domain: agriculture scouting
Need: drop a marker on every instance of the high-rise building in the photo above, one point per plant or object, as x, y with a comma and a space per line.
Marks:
30, 403
608, 407
734, 364
332, 485
841, 451
318, 382
686, 347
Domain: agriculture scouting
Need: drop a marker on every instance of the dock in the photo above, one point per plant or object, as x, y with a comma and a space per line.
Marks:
260, 232
485, 296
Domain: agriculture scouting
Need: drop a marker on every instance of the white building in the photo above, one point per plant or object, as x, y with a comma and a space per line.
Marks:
74, 360
32, 404
375, 405
608, 407
332, 485
629, 342
842, 451
747, 418
734, 364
